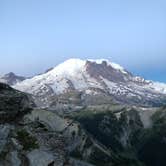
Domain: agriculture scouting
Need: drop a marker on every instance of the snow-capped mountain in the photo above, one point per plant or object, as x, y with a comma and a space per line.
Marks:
94, 81
11, 78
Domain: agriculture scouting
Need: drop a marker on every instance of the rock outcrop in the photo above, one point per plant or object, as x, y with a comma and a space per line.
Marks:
118, 136
13, 104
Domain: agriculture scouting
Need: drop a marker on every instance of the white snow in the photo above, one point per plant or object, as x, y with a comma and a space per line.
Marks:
69, 67
159, 87
73, 71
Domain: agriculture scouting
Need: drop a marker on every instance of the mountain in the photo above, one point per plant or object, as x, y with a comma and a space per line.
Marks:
11, 78
36, 137
92, 82
134, 137
24, 141
30, 136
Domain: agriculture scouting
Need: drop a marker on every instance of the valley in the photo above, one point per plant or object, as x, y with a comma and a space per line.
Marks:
82, 113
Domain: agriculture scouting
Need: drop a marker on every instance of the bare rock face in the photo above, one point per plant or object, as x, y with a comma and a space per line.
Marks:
13, 104
25, 143
105, 71
39, 157
4, 133
13, 158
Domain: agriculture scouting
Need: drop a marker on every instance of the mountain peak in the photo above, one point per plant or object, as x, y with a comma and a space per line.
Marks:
9, 74
74, 65
11, 78
70, 66
94, 78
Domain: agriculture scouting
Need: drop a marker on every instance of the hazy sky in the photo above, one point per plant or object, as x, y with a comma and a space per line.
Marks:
38, 34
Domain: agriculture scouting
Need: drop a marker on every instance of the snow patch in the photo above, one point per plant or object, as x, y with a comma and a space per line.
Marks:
158, 87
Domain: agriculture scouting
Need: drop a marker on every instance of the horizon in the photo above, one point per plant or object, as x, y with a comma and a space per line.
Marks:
38, 35
42, 72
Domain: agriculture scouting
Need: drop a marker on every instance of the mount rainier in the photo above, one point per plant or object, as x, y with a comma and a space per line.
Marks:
91, 82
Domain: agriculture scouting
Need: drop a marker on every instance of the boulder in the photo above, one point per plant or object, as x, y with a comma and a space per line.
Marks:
40, 158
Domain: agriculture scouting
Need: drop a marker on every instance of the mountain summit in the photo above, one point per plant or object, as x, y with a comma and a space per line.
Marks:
11, 78
96, 81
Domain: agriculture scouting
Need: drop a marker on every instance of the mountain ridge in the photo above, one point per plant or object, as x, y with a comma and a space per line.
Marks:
89, 76
11, 78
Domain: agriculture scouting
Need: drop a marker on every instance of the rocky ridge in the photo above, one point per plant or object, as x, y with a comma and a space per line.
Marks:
11, 79
93, 136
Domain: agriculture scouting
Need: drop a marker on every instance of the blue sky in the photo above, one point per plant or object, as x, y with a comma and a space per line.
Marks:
38, 34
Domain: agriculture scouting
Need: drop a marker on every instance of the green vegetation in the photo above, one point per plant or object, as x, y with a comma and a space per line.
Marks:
126, 160
106, 128
76, 154
144, 147
152, 147
26, 140
99, 158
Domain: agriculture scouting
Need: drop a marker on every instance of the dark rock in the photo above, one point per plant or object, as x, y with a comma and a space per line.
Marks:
103, 70
13, 104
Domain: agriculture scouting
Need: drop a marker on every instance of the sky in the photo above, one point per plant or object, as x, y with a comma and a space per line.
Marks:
38, 34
